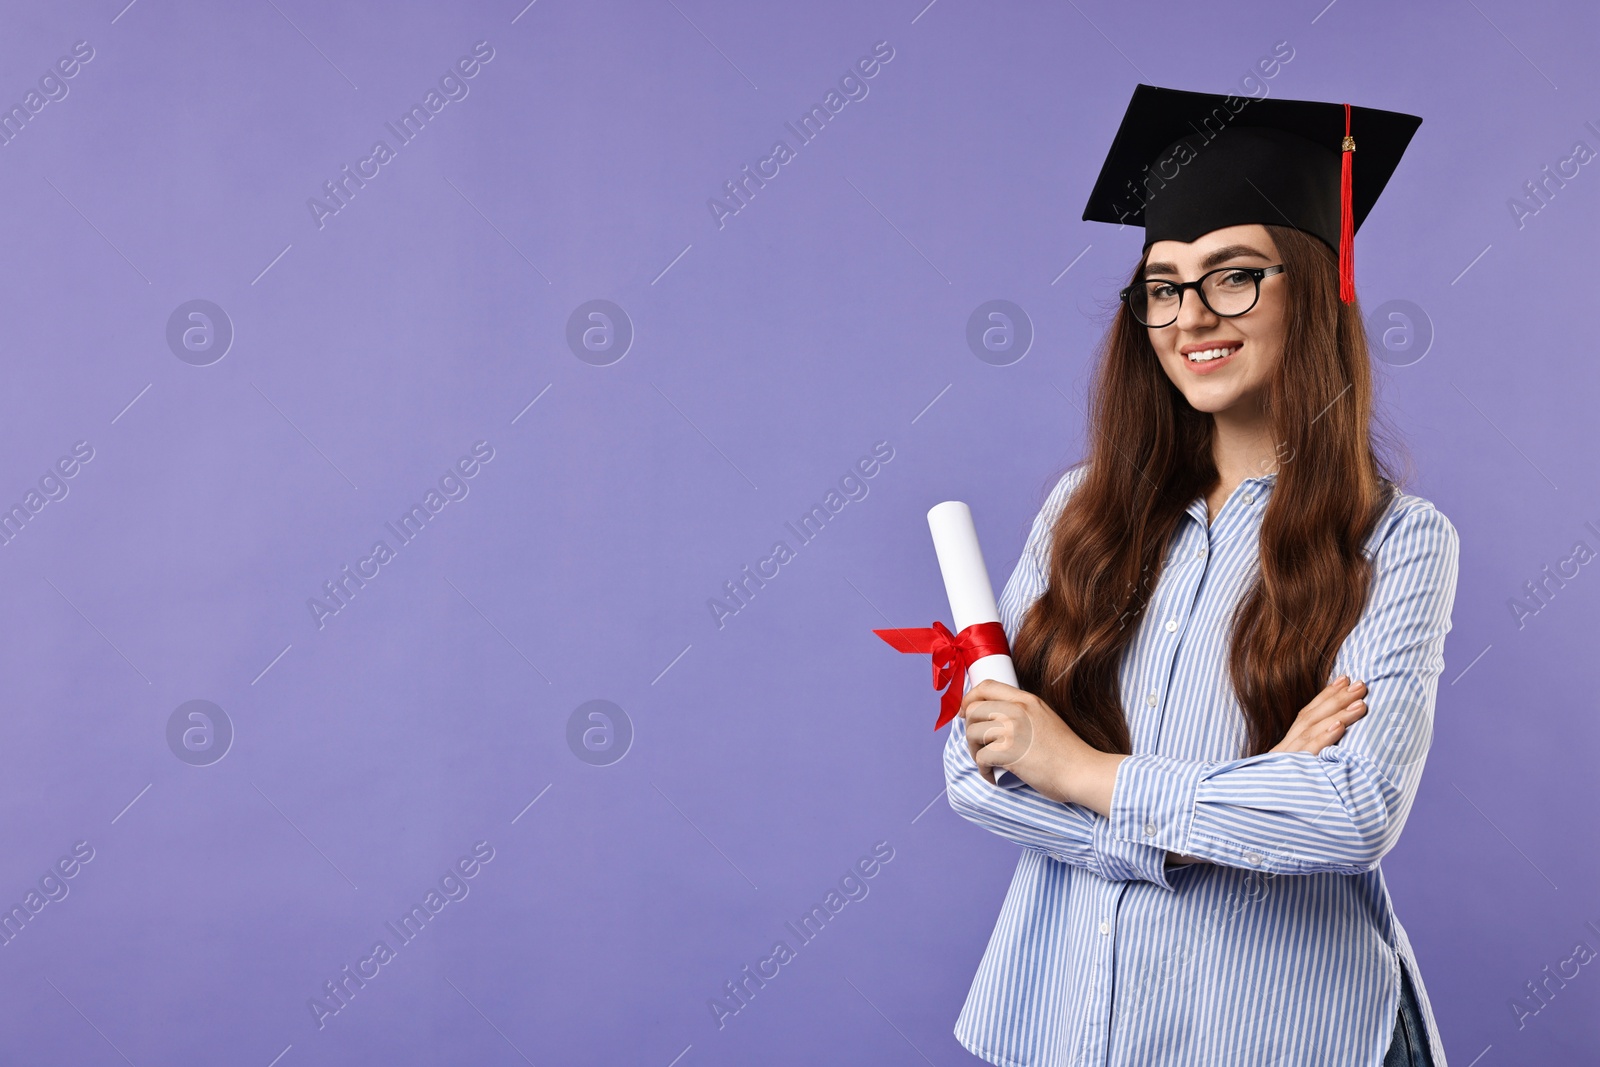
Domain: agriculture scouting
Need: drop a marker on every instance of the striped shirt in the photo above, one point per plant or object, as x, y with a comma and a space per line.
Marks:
1284, 949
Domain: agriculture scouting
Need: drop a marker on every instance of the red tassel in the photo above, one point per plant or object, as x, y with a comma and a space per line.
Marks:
1347, 223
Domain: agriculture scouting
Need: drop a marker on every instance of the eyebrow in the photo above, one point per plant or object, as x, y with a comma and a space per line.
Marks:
1221, 255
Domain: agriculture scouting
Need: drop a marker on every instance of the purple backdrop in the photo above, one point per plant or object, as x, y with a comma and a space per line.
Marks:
524, 348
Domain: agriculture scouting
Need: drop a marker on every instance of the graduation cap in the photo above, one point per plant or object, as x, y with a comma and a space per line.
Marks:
1183, 164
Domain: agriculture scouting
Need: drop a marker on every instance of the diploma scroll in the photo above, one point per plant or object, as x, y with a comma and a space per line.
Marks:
978, 649
966, 583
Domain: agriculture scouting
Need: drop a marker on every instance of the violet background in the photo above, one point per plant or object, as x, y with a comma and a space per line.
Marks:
769, 355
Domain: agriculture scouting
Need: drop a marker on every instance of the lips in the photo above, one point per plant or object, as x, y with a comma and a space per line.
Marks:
1214, 355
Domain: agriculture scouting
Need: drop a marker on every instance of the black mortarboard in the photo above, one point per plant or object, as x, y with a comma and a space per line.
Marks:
1183, 164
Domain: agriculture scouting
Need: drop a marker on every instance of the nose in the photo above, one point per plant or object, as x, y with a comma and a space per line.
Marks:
1193, 315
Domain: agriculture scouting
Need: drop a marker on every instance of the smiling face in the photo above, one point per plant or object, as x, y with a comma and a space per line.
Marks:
1234, 384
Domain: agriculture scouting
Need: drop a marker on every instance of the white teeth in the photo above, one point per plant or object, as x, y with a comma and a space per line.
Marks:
1209, 354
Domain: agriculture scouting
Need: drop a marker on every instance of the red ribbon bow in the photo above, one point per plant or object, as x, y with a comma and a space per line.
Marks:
952, 655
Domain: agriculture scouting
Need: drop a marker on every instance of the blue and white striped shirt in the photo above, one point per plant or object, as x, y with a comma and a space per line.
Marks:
1284, 949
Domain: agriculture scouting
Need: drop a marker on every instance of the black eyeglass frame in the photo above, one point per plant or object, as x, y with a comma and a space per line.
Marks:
1257, 273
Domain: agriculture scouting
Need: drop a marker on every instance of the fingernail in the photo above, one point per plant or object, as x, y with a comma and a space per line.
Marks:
1354, 686
1358, 705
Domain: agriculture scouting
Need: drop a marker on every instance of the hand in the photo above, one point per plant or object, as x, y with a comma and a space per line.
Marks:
1014, 730
1321, 723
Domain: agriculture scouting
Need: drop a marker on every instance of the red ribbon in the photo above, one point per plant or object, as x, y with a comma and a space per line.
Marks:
952, 655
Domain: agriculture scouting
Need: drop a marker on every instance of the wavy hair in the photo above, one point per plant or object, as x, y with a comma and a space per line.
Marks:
1149, 456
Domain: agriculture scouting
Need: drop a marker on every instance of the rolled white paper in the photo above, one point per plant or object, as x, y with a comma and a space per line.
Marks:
966, 583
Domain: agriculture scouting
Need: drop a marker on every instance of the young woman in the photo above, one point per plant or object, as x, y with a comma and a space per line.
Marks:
1202, 810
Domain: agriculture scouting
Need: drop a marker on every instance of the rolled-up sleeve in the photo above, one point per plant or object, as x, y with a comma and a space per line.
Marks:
1342, 808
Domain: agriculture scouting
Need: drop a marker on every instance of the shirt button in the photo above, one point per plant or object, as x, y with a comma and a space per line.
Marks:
1149, 829
1172, 625
1199, 552
1249, 498
1151, 700
1105, 927
1253, 858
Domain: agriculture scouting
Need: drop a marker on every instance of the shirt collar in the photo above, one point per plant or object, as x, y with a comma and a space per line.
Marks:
1260, 485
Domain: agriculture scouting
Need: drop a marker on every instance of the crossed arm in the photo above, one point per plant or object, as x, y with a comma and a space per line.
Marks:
1338, 809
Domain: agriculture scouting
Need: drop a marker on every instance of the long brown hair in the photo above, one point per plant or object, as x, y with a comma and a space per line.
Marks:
1150, 455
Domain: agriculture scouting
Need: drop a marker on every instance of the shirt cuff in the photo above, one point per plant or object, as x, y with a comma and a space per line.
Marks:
1122, 861
1152, 801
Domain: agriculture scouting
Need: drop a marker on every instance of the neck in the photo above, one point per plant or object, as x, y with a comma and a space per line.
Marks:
1242, 445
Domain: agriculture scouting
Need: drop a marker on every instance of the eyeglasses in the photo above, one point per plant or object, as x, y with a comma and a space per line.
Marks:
1227, 291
